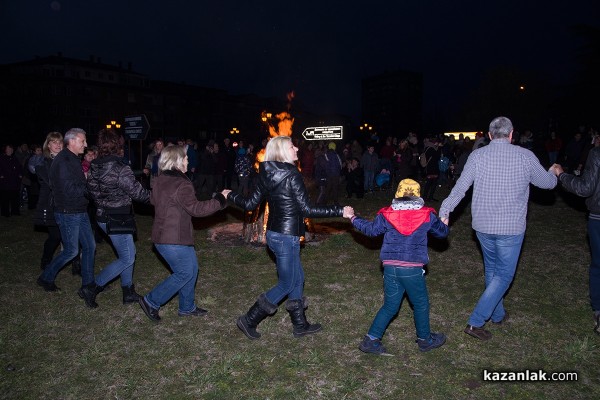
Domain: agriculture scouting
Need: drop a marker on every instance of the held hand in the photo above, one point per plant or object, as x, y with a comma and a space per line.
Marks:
225, 192
348, 212
445, 221
557, 169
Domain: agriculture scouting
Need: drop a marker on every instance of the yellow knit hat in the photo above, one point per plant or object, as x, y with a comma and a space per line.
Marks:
331, 146
408, 187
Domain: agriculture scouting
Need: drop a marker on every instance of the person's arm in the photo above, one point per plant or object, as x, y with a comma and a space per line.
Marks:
458, 191
131, 186
439, 229
584, 185
186, 198
370, 228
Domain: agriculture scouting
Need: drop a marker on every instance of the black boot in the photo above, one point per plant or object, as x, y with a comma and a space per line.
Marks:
76, 266
301, 325
88, 294
259, 311
129, 294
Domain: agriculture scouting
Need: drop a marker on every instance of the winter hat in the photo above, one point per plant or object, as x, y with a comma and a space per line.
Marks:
408, 188
331, 146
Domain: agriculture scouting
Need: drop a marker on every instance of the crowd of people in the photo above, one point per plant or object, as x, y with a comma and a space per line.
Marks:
81, 193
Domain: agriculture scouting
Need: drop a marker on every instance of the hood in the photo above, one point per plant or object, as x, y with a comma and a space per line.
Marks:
272, 173
406, 221
102, 166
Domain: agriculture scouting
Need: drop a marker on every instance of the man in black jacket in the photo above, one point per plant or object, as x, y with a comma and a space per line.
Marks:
69, 193
588, 185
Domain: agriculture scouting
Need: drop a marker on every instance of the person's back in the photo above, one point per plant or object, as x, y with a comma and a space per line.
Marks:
502, 172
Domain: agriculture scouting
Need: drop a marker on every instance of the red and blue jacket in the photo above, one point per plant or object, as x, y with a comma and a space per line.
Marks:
405, 232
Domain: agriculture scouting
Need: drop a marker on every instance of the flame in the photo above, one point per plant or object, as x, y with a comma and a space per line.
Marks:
279, 125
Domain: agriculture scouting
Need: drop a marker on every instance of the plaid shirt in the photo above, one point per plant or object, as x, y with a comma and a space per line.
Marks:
500, 174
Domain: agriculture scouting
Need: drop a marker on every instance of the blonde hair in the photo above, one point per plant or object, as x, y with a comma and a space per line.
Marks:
49, 138
171, 157
277, 149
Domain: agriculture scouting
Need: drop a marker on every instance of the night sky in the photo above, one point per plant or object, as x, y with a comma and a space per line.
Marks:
319, 49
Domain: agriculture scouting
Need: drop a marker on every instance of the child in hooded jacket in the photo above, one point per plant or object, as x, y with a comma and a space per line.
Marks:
405, 225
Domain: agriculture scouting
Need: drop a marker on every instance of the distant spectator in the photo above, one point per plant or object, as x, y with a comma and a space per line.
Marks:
11, 175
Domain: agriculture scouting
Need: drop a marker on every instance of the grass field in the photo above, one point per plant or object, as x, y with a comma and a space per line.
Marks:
53, 347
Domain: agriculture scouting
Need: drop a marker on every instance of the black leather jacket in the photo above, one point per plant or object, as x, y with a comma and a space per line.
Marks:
113, 186
588, 185
282, 186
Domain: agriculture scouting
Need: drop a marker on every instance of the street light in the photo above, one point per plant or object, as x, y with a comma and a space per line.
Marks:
113, 124
234, 131
366, 127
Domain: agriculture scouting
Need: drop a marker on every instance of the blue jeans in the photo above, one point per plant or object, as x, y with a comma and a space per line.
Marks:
500, 257
594, 236
184, 264
123, 265
396, 282
75, 230
289, 269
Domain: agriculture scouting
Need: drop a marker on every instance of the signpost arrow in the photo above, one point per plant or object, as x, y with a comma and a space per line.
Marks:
136, 127
323, 133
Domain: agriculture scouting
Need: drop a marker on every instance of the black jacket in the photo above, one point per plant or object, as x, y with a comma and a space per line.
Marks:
44, 212
282, 186
68, 184
588, 185
113, 186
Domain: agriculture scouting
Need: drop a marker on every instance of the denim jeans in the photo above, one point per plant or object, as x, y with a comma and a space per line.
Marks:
500, 257
594, 236
289, 269
184, 264
396, 282
75, 230
123, 265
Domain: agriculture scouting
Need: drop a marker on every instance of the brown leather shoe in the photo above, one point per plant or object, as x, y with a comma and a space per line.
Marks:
503, 320
478, 333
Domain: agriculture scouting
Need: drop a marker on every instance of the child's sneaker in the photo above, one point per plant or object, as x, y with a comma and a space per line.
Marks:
373, 346
435, 340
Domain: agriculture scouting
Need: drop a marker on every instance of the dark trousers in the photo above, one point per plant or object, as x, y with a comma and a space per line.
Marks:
50, 245
331, 189
10, 203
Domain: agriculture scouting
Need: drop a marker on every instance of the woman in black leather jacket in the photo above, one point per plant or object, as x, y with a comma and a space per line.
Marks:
281, 184
112, 185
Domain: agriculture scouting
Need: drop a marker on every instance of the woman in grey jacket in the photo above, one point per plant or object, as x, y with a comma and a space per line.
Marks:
112, 185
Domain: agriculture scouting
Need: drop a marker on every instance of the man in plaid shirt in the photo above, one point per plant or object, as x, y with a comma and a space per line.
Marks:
500, 174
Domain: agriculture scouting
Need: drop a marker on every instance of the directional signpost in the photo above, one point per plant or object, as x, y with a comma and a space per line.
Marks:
323, 133
136, 127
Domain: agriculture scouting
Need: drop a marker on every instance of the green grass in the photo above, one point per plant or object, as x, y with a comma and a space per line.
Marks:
52, 346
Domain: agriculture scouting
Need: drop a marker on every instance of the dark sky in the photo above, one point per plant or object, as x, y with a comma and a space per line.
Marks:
319, 49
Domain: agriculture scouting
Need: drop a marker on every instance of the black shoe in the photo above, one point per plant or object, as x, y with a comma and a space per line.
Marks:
152, 313
130, 295
48, 286
88, 294
196, 312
